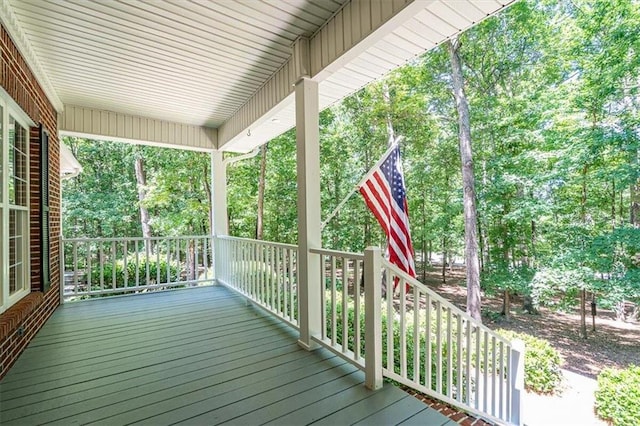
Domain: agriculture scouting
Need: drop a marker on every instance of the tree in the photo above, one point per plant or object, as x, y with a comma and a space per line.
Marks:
141, 180
468, 182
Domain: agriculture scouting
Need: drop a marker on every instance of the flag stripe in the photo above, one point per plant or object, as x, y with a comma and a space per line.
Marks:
385, 195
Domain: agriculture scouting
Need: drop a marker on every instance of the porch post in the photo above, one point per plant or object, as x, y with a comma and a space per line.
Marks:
219, 221
308, 167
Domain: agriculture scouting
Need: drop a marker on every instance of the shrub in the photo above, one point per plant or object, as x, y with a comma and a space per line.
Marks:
618, 396
541, 363
108, 272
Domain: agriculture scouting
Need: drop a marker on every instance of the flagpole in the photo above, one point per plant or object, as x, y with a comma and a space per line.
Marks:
357, 186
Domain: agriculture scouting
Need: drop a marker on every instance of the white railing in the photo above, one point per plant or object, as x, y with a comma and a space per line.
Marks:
342, 299
93, 267
434, 347
371, 313
264, 272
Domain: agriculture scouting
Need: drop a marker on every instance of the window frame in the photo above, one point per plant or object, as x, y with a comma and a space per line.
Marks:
11, 109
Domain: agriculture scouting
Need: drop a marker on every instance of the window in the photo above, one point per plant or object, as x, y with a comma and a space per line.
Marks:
14, 203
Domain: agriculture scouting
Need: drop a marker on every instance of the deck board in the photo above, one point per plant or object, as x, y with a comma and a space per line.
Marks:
197, 356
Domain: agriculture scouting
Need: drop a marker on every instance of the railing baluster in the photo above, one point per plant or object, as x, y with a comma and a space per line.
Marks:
427, 357
493, 375
286, 253
137, 249
501, 381
169, 260
356, 310
205, 257
459, 352
88, 266
261, 273
389, 287
278, 306
449, 392
345, 306
323, 296
75, 267
334, 321
467, 376
485, 371
416, 335
147, 252
125, 250
114, 265
438, 347
196, 263
157, 247
101, 266
478, 364
403, 326
293, 301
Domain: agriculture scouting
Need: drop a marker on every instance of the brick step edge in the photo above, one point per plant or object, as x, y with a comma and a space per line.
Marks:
447, 410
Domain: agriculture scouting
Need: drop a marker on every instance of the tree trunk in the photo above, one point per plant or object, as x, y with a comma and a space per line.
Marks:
141, 180
391, 134
424, 241
583, 292
468, 182
444, 260
261, 187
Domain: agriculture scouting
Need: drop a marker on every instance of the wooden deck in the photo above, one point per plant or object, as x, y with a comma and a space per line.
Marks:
198, 356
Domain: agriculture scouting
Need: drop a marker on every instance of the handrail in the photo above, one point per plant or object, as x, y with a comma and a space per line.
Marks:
262, 271
139, 239
435, 296
271, 243
96, 267
336, 253
433, 346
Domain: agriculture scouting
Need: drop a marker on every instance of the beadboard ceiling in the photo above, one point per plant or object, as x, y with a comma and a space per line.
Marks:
197, 62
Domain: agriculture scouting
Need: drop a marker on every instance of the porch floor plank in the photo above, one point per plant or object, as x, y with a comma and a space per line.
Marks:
198, 356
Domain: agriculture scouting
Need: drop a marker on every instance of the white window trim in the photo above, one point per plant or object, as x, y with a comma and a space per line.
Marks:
11, 108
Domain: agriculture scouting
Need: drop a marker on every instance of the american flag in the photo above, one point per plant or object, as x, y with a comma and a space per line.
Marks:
385, 195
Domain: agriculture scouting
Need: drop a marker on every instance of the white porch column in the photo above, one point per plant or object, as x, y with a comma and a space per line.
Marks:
219, 218
308, 166
219, 221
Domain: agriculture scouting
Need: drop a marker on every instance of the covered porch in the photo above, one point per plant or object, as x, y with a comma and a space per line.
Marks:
193, 356
227, 77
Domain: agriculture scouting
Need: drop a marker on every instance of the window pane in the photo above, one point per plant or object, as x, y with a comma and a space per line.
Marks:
17, 241
18, 166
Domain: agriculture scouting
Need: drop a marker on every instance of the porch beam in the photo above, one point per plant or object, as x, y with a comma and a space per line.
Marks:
345, 36
109, 125
308, 168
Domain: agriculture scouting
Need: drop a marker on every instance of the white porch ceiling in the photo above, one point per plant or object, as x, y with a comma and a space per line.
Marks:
204, 62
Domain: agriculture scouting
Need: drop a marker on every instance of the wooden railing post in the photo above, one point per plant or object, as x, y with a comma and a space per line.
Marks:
373, 323
516, 369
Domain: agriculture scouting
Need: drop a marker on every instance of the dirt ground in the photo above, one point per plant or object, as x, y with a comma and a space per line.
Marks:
613, 344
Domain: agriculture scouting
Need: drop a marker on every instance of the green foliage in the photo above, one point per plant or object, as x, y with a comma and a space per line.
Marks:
507, 277
618, 396
557, 287
555, 113
541, 363
168, 273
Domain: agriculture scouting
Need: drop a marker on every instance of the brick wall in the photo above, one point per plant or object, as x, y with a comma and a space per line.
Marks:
21, 322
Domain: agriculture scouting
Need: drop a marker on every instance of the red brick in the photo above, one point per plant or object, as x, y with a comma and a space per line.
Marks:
20, 83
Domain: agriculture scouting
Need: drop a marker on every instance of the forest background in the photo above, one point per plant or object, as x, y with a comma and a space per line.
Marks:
554, 95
